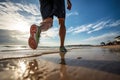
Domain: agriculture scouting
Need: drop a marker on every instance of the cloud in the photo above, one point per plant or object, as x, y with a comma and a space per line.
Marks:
114, 24
12, 37
101, 38
98, 26
79, 29
72, 14
93, 27
51, 33
17, 16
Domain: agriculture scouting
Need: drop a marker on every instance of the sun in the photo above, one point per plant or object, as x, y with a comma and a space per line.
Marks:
22, 27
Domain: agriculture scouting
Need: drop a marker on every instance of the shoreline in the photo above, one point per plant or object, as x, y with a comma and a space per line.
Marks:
111, 46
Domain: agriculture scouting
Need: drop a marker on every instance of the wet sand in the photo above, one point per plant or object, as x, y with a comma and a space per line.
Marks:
88, 63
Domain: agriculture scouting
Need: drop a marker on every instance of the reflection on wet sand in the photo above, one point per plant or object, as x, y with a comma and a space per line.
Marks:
63, 69
32, 71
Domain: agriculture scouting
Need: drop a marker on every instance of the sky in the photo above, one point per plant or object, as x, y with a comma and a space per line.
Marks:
88, 22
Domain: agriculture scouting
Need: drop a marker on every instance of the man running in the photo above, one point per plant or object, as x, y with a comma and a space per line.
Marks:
49, 9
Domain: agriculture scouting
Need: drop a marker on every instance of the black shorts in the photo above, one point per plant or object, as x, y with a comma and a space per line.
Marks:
50, 8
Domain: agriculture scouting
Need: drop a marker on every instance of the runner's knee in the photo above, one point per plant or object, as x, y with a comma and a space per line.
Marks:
62, 22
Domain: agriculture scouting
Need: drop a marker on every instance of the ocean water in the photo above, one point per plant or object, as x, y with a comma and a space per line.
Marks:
7, 48
12, 51
13, 47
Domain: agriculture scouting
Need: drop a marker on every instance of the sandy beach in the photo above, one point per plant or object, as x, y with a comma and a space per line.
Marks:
82, 63
112, 46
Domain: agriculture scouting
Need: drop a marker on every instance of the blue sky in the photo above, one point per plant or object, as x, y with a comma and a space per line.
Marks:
89, 22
